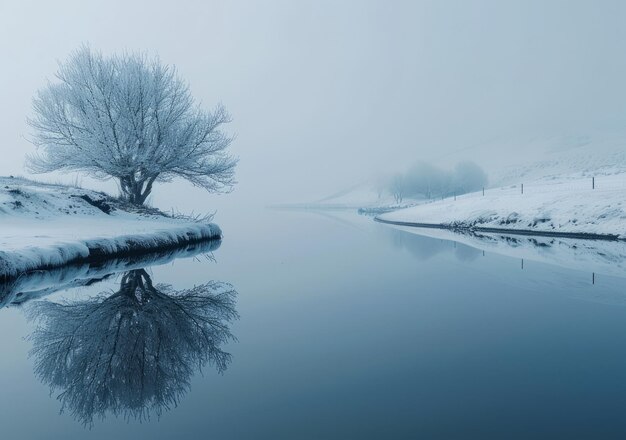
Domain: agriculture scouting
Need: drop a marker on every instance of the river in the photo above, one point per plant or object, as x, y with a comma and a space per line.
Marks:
320, 325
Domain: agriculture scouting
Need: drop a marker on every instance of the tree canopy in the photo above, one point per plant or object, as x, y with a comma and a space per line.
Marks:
131, 118
425, 180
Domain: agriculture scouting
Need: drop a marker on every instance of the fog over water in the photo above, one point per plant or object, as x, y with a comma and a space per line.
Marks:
328, 94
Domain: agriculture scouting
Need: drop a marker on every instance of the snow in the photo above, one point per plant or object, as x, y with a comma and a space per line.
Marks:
51, 225
564, 204
538, 154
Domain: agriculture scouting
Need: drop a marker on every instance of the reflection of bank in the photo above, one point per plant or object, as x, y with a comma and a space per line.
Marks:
39, 283
424, 247
588, 270
588, 256
132, 352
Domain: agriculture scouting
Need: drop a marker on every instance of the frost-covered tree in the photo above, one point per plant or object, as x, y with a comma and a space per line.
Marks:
427, 180
468, 176
397, 187
423, 179
131, 118
133, 352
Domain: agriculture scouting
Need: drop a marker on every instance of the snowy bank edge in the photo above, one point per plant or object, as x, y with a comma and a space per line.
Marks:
461, 226
15, 262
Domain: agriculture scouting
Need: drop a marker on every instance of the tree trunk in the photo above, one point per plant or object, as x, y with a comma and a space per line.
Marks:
136, 191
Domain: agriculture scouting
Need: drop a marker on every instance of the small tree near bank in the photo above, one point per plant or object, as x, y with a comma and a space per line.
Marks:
397, 188
130, 118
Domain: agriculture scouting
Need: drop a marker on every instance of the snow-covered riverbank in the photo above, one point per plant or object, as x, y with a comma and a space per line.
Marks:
43, 226
558, 205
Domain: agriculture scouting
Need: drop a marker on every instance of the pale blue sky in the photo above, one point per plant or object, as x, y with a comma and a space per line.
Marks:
325, 93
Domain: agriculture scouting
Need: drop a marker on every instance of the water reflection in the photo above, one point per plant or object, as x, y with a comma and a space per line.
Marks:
423, 247
39, 283
132, 352
589, 256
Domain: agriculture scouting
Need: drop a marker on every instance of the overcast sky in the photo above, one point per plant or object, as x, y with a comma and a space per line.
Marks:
328, 93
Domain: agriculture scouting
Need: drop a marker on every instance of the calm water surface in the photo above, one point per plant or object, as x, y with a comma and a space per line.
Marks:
345, 329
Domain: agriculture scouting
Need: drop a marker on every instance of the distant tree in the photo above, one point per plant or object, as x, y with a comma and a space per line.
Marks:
426, 180
130, 118
397, 188
469, 177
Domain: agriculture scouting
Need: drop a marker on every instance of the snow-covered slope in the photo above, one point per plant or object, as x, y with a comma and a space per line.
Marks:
50, 225
521, 158
564, 204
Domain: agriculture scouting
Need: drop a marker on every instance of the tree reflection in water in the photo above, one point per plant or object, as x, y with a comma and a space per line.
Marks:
133, 352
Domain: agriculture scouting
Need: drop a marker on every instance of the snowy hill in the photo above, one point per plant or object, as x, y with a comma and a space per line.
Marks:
45, 225
564, 204
515, 159
556, 172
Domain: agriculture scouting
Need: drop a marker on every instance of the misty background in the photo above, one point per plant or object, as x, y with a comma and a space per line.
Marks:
327, 94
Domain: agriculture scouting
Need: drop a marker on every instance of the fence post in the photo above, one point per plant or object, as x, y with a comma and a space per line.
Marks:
593, 183
522, 188
483, 190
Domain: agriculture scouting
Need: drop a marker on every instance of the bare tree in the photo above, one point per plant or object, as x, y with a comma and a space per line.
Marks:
397, 187
423, 179
130, 118
468, 176
133, 352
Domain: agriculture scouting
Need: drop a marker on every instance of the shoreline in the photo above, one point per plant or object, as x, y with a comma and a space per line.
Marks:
17, 262
509, 231
42, 282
